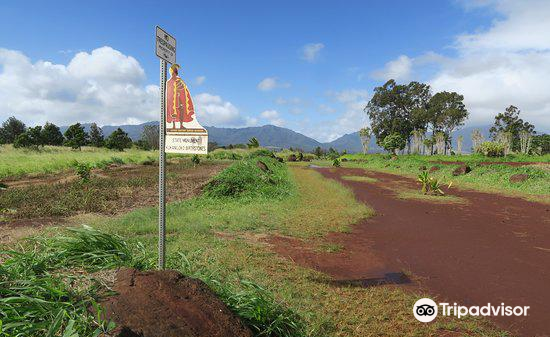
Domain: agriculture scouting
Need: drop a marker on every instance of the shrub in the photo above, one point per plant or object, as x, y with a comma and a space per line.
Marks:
491, 149
195, 160
83, 170
244, 179
430, 185
262, 153
336, 163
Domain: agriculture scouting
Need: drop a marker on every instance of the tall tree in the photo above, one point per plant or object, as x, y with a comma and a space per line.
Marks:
75, 136
51, 135
397, 108
30, 138
10, 129
446, 112
118, 140
509, 121
96, 136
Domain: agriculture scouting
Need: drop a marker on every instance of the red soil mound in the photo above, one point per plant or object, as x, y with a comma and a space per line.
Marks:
168, 304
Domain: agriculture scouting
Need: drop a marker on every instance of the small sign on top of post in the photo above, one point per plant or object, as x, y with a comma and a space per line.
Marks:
166, 46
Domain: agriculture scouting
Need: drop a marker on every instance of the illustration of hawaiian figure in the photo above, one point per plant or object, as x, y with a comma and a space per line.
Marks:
180, 111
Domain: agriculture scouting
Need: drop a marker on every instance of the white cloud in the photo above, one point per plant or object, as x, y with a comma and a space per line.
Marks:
273, 117
200, 80
398, 69
103, 86
507, 63
288, 101
213, 110
270, 83
310, 52
349, 118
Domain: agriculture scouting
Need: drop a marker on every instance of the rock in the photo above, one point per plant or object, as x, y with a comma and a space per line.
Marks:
165, 303
262, 166
518, 178
292, 157
434, 168
423, 168
394, 157
461, 170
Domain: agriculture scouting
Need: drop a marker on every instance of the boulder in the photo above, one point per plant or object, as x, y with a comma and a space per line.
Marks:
518, 178
461, 170
434, 168
165, 303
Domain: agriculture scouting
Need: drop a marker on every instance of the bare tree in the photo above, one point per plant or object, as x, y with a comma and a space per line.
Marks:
525, 138
150, 135
365, 134
459, 141
477, 139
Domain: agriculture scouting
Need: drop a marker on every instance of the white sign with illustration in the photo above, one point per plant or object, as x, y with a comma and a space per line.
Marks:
184, 134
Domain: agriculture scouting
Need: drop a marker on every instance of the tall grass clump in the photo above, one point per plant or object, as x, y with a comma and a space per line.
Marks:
246, 180
256, 306
44, 291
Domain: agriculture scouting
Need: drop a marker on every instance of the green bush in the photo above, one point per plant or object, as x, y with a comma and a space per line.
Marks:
195, 160
491, 149
261, 153
244, 179
83, 170
336, 163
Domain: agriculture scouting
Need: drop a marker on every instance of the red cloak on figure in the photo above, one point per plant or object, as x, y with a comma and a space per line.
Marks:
179, 105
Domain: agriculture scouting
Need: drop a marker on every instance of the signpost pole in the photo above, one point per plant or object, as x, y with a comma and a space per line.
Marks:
162, 166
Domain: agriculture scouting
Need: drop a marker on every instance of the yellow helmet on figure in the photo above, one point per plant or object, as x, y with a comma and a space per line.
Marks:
174, 69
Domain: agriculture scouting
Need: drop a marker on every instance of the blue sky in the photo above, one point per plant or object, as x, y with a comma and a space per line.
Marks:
306, 65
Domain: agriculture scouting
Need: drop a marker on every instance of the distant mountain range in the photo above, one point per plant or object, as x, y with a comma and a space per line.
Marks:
275, 136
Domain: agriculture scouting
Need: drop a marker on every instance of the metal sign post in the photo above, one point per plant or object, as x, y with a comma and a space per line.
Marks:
166, 51
162, 166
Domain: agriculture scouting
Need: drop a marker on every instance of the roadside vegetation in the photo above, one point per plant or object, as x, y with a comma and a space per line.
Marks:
483, 176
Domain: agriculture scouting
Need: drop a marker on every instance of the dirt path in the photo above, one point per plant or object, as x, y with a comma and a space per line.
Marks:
492, 249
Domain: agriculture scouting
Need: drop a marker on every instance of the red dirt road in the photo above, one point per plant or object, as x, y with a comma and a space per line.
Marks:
492, 249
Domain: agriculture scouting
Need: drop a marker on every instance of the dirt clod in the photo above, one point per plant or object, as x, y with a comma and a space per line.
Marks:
518, 178
262, 166
461, 170
168, 304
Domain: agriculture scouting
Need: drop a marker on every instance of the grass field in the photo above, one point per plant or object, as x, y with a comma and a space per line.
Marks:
493, 178
17, 162
220, 237
223, 239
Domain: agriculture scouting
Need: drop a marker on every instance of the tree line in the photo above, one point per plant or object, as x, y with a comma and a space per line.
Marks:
410, 116
14, 131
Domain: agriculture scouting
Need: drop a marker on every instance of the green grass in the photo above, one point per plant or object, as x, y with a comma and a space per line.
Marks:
313, 208
442, 199
360, 179
43, 291
18, 162
492, 178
